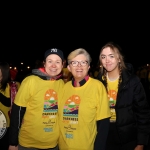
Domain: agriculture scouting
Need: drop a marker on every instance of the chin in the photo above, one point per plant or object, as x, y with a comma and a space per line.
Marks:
53, 74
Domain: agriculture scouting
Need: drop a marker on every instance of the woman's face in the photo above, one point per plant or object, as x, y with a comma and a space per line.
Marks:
53, 65
79, 67
109, 59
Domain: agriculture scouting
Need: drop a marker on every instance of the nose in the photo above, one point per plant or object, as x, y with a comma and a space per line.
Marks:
53, 64
79, 64
107, 59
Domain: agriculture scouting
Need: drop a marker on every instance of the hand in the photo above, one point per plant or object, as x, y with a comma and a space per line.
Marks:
139, 147
13, 147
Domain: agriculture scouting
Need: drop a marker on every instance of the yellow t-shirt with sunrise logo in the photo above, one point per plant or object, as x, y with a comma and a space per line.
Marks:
79, 110
40, 122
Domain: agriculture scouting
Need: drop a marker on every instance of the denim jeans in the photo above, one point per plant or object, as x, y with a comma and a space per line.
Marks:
28, 148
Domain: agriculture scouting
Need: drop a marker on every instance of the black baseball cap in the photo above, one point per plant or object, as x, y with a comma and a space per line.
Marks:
54, 51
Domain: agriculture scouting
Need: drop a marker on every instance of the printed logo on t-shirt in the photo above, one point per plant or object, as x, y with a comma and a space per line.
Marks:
3, 124
50, 102
50, 110
112, 95
70, 111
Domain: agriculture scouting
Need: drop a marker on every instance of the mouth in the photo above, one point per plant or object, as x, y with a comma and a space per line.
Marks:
79, 70
108, 65
53, 70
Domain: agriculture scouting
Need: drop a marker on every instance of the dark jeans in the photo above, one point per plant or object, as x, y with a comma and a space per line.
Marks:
25, 148
113, 142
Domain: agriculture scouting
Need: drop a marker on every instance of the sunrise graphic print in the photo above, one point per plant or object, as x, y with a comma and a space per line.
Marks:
50, 101
70, 111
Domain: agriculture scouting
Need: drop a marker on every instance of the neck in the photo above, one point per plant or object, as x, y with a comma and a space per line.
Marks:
112, 76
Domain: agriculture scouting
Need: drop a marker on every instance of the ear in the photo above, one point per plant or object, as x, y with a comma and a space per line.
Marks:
63, 63
68, 68
44, 63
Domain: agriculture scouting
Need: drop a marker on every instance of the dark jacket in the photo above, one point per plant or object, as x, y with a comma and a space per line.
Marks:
132, 109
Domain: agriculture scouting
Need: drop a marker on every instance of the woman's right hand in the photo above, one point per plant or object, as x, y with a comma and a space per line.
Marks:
13, 147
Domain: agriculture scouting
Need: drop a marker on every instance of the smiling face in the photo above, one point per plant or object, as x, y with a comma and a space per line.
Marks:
109, 59
53, 65
80, 70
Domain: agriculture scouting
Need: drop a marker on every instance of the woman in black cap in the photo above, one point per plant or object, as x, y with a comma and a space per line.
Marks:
34, 115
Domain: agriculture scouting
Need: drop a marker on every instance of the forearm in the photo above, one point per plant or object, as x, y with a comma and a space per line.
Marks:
102, 133
16, 117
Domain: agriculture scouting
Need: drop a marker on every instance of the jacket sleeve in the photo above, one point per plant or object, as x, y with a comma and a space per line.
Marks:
142, 111
102, 133
5, 100
16, 117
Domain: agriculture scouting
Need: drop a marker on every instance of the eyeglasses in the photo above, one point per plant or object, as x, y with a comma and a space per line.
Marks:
76, 63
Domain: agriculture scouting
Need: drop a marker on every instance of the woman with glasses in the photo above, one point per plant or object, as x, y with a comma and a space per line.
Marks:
84, 111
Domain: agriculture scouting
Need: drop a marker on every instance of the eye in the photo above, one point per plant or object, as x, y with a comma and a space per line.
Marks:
102, 57
74, 62
112, 56
83, 62
49, 61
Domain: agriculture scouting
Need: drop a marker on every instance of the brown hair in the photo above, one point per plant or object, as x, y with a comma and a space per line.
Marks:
117, 49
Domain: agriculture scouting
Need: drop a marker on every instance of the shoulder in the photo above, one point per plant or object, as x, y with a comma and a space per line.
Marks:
31, 78
95, 82
68, 84
129, 75
134, 79
60, 81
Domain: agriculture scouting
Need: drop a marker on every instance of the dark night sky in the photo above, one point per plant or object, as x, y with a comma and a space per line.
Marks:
27, 33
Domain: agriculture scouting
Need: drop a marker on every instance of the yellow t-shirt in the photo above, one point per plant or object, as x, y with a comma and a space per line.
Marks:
5, 104
79, 110
112, 95
39, 128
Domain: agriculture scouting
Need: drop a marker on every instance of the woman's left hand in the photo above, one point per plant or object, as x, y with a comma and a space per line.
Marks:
139, 147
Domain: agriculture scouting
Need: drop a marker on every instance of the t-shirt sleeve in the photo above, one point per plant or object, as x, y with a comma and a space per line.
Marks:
25, 92
103, 110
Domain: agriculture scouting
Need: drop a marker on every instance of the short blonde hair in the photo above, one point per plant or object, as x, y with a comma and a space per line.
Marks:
77, 52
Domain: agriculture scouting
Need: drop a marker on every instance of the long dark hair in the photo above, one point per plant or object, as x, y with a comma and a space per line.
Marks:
5, 70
